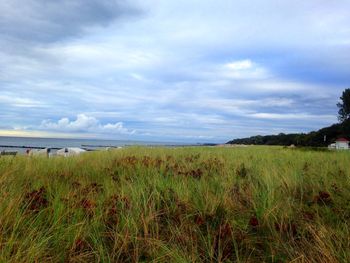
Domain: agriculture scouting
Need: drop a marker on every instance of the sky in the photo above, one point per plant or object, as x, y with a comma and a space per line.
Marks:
161, 70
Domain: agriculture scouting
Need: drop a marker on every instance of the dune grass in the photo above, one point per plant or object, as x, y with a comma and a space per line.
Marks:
200, 204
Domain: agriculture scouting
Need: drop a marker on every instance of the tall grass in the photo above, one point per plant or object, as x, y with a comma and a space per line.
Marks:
257, 204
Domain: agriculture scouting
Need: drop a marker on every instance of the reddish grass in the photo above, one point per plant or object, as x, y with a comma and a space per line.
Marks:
36, 200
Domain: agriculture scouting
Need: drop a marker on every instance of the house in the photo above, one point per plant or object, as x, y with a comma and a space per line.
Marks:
340, 144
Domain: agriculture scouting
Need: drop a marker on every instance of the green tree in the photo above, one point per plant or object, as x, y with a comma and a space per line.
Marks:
344, 106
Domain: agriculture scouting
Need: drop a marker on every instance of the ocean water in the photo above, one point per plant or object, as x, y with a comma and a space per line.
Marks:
21, 144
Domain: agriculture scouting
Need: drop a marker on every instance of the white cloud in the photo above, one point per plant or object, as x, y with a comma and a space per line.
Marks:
84, 123
292, 116
240, 65
20, 101
244, 69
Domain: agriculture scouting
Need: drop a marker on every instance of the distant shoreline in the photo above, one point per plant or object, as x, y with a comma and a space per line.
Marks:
90, 147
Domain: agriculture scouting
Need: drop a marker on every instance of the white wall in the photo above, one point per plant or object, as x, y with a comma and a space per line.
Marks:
342, 145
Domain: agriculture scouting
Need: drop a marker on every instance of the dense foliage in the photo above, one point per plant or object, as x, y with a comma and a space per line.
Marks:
315, 138
205, 204
344, 106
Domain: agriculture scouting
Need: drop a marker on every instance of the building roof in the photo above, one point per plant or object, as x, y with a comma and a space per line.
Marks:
342, 140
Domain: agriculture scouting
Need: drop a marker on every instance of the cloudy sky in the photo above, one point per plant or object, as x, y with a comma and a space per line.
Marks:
185, 70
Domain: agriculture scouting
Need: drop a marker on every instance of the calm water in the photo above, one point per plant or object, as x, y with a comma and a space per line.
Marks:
22, 144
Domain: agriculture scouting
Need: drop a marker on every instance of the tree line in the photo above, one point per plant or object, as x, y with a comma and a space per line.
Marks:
320, 138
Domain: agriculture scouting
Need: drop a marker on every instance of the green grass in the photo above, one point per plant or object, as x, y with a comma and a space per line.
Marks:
255, 204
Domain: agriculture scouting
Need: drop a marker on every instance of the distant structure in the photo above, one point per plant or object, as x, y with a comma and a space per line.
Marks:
66, 152
8, 153
39, 152
340, 144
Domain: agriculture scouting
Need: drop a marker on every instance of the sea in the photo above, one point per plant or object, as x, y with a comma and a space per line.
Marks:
22, 144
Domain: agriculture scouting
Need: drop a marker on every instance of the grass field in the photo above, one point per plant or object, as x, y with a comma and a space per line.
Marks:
255, 204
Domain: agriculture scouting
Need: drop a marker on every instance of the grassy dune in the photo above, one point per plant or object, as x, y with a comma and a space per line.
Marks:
258, 204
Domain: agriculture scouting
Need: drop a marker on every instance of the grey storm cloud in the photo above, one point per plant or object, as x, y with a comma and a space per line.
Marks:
50, 21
